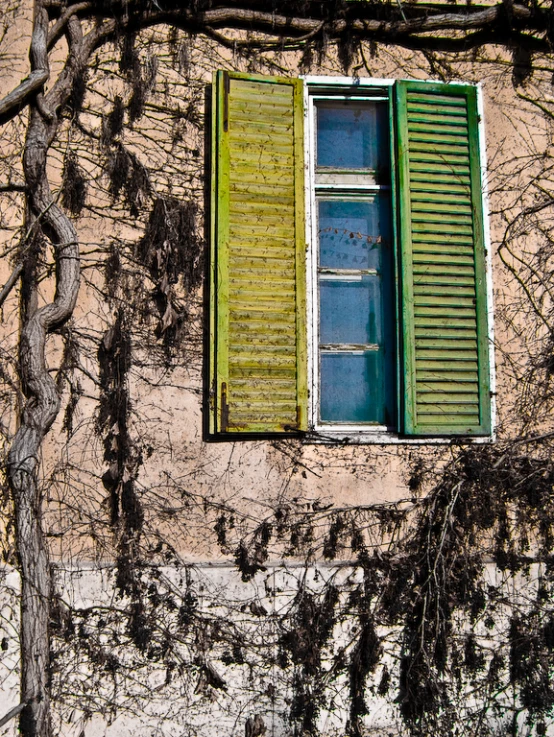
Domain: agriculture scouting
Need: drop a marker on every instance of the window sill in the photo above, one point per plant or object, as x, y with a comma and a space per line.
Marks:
337, 436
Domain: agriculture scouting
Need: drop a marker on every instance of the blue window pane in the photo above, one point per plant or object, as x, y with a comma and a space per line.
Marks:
352, 387
352, 234
352, 135
350, 311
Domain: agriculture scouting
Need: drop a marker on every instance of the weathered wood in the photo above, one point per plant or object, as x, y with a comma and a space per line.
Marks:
438, 369
260, 351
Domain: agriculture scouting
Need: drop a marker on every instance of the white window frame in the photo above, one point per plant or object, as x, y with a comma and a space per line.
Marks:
314, 88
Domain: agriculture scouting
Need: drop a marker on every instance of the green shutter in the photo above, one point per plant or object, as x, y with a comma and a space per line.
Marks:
443, 292
258, 256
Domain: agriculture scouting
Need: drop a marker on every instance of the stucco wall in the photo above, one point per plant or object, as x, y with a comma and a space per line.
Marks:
199, 499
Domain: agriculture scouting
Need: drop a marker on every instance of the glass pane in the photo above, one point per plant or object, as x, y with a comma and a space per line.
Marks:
352, 135
350, 311
351, 234
352, 387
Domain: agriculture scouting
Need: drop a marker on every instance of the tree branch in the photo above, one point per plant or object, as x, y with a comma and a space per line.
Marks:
272, 23
378, 22
13, 187
58, 29
16, 100
8, 286
12, 714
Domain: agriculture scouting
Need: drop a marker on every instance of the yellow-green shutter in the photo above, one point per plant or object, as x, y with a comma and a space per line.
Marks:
258, 256
443, 291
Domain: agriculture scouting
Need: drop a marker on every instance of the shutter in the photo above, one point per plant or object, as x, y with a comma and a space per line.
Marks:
444, 310
258, 256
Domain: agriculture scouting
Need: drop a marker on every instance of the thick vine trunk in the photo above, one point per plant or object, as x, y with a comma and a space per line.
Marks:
35, 596
41, 407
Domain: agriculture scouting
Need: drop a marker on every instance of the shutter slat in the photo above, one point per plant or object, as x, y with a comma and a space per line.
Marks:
438, 300
443, 321
443, 248
443, 260
438, 388
446, 132
422, 137
434, 290
256, 189
253, 200
443, 272
461, 173
243, 316
427, 189
439, 149
456, 207
435, 99
448, 237
470, 377
248, 254
436, 118
428, 216
450, 113
452, 333
459, 159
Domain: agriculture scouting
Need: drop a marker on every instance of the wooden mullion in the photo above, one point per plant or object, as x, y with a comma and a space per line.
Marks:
480, 264
408, 393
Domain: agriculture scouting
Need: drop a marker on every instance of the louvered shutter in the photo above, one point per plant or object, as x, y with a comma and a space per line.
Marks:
443, 290
258, 271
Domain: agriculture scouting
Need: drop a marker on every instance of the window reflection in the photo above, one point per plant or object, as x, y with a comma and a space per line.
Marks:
352, 388
351, 233
350, 311
352, 135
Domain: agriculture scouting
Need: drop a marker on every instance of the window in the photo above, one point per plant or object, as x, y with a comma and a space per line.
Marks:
353, 372
348, 281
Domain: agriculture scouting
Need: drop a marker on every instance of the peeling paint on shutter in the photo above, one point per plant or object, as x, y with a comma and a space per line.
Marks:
258, 272
445, 347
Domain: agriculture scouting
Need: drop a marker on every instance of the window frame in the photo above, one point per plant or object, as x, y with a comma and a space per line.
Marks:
340, 88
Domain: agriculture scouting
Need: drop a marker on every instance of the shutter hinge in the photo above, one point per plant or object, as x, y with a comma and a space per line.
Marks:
294, 425
224, 408
226, 87
211, 396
